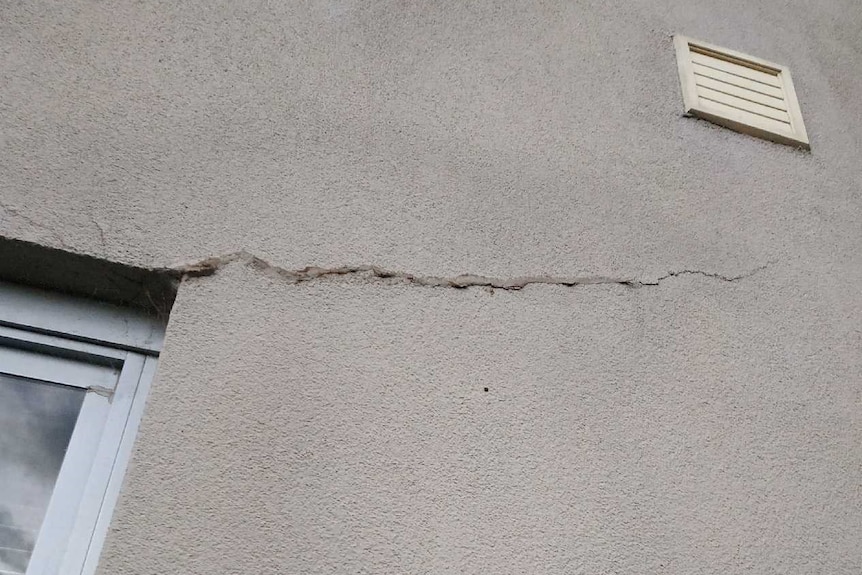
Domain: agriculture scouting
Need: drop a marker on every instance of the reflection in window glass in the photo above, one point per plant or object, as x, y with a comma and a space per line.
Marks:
36, 423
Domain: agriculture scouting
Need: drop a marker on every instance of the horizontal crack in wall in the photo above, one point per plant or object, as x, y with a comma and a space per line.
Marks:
210, 266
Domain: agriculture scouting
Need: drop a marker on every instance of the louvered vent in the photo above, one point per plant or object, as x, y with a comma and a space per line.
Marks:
737, 91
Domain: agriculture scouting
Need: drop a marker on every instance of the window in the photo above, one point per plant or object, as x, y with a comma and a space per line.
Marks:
739, 92
74, 376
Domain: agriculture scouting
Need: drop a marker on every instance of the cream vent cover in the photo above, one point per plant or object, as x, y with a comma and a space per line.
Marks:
739, 92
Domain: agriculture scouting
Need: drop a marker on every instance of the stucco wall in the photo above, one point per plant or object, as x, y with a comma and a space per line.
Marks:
341, 426
703, 424
431, 137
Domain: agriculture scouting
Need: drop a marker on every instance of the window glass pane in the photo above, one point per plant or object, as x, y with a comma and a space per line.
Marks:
36, 423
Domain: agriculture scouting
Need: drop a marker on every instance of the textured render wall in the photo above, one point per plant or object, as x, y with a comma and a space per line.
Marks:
431, 137
339, 425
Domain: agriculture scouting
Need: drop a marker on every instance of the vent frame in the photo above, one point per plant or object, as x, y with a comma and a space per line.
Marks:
741, 120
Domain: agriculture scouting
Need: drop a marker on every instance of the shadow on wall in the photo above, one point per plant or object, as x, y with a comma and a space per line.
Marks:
33, 265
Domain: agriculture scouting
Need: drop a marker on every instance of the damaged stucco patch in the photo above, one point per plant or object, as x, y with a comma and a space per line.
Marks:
212, 265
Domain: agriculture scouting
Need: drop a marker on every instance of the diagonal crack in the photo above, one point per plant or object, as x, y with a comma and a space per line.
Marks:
212, 265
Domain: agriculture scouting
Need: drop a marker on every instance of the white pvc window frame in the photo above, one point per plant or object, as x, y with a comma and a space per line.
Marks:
112, 354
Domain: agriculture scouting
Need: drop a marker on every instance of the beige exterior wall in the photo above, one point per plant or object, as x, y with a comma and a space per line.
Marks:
709, 423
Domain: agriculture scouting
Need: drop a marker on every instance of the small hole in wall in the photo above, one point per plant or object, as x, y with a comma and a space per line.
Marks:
486, 389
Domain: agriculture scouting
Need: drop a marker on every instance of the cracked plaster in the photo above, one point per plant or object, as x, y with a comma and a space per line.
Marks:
212, 265
338, 429
326, 427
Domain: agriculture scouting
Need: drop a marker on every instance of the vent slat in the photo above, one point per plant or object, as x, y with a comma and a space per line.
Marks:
736, 70
734, 58
745, 118
738, 81
731, 90
745, 105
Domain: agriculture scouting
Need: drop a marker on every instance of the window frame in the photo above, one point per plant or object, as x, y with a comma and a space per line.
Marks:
64, 340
